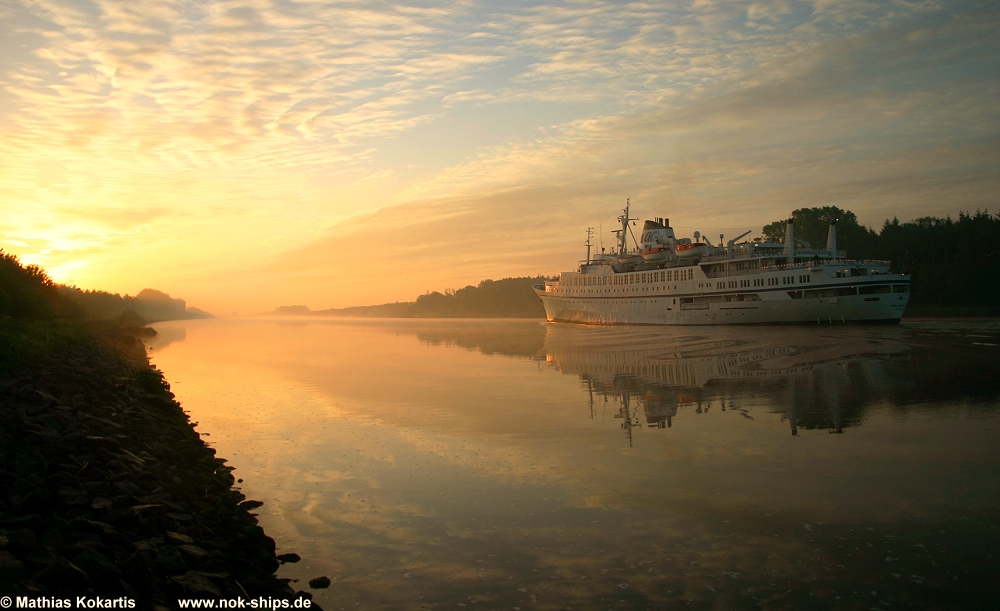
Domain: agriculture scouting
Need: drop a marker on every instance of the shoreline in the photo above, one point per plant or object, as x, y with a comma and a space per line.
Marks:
107, 490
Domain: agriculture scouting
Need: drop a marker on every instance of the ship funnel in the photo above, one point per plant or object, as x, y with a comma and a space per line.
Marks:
790, 238
831, 239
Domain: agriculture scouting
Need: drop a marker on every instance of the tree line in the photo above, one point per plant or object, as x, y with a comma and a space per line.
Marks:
506, 298
27, 292
953, 263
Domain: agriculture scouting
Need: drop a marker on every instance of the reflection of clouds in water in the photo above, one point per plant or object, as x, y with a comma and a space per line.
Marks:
406, 465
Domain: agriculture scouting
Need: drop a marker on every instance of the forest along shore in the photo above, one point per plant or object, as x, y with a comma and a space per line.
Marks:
106, 490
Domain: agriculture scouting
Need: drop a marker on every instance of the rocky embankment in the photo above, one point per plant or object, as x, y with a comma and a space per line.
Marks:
107, 490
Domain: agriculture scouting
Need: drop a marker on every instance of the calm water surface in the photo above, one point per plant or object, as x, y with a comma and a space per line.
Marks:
491, 464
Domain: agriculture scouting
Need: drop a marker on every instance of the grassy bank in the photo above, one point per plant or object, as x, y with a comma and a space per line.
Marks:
26, 343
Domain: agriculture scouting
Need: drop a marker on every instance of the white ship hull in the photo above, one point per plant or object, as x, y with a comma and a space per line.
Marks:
731, 284
797, 294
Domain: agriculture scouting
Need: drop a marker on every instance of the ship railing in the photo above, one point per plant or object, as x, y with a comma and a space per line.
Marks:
731, 273
839, 261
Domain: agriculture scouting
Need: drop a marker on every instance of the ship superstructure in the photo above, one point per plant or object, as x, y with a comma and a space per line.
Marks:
667, 280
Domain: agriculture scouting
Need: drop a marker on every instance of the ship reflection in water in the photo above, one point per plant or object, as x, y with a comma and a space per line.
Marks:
815, 380
512, 464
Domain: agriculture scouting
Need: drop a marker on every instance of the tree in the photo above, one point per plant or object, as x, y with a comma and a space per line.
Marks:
813, 224
28, 292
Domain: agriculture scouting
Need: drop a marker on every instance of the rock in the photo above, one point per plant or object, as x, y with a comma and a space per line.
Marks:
170, 559
195, 582
251, 505
65, 575
73, 497
291, 558
96, 565
179, 538
193, 551
98, 488
37, 500
319, 583
11, 569
22, 539
126, 487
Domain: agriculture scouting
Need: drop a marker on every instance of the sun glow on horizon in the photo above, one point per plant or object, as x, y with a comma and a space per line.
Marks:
245, 155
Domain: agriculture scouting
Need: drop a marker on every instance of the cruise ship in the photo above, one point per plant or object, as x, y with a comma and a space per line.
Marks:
666, 280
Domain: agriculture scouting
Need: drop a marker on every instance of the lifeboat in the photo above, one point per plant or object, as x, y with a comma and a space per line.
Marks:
657, 253
696, 249
629, 258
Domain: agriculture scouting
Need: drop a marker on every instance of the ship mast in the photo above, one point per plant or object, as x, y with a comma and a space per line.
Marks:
590, 233
623, 236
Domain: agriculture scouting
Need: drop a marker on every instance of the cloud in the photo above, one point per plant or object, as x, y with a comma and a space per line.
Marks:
212, 128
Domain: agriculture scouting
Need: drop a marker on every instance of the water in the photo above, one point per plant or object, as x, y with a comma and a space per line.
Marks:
491, 464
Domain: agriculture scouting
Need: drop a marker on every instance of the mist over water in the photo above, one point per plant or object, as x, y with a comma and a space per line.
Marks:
507, 464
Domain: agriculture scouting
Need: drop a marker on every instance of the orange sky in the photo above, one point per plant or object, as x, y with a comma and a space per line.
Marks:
246, 155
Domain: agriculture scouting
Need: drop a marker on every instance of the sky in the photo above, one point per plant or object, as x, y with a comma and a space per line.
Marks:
249, 154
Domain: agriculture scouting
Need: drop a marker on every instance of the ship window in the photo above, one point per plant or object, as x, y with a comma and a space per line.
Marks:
841, 292
901, 288
880, 288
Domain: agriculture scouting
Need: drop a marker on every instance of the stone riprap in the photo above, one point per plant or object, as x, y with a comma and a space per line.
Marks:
107, 490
